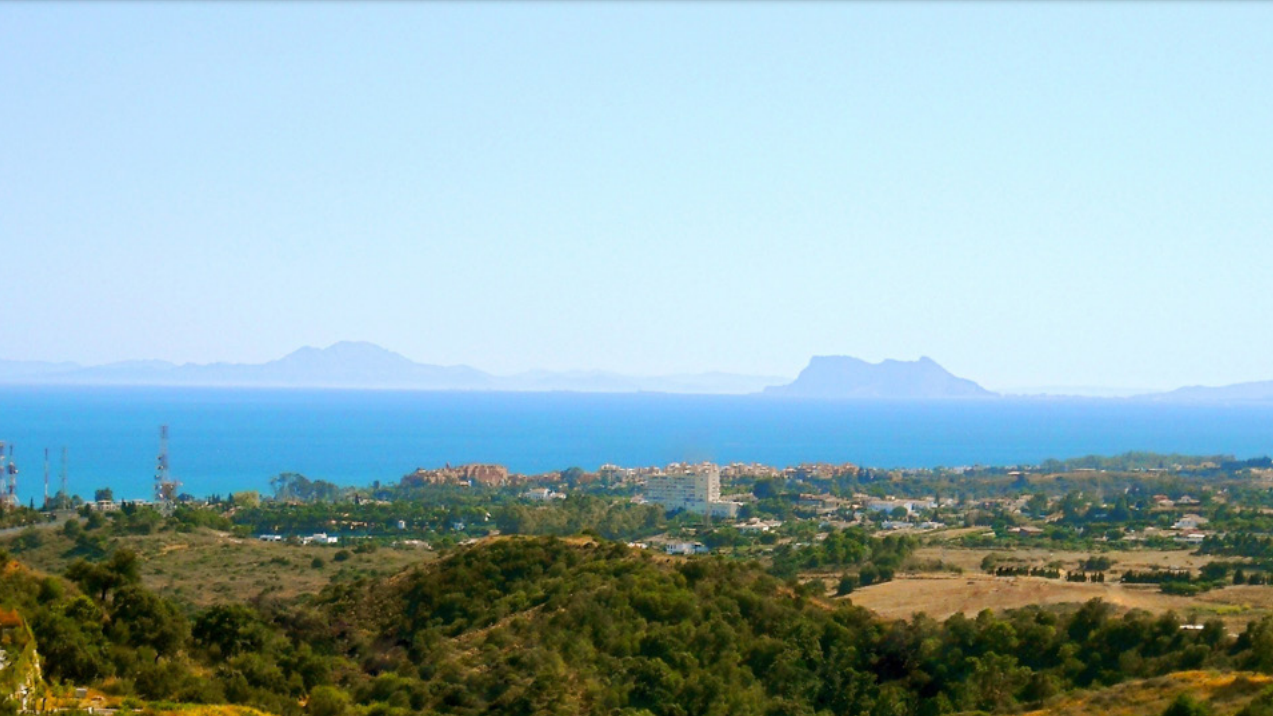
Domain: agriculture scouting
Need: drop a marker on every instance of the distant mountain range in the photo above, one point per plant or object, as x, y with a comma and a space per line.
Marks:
366, 365
1259, 391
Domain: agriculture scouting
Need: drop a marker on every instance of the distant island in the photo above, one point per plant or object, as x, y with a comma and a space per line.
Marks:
362, 365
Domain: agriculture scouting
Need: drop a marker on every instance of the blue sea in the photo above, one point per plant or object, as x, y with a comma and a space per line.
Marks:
224, 440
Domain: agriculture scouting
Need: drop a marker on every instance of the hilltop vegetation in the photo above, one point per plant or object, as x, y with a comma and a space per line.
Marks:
546, 626
580, 626
181, 557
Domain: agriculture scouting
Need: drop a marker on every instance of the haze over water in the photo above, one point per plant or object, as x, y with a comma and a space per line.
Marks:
229, 440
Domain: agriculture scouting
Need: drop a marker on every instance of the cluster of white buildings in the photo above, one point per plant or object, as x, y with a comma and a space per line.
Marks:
317, 538
910, 506
543, 494
685, 548
116, 505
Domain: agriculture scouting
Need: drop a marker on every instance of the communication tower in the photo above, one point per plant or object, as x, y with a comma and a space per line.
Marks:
11, 479
46, 478
165, 486
66, 496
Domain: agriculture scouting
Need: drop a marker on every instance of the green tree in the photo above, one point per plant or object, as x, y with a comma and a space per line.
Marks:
72, 641
847, 584
100, 579
1037, 505
994, 681
247, 498
72, 529
572, 475
230, 629
139, 618
766, 488
327, 701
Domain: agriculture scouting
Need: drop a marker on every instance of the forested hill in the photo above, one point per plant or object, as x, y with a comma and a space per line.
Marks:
579, 626
575, 626
563, 627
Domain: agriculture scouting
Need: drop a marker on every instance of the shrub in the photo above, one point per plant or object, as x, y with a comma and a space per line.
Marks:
1186, 705
327, 701
847, 583
1183, 589
1096, 563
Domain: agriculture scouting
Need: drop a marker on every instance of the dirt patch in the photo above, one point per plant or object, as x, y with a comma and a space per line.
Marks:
941, 596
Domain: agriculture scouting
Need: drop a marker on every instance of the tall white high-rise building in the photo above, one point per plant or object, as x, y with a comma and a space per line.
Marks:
692, 488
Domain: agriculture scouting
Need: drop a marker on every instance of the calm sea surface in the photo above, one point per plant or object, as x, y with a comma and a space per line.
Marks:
224, 440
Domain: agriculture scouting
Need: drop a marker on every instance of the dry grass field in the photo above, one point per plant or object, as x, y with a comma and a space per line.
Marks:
942, 594
970, 559
211, 710
1224, 694
205, 567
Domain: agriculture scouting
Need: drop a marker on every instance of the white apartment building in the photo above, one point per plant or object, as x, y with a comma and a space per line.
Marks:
692, 489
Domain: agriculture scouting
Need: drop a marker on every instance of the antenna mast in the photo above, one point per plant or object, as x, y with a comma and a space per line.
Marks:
165, 486
11, 490
46, 478
66, 496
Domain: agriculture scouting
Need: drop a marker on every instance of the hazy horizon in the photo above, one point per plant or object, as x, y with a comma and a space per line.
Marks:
1010, 391
1059, 389
1031, 194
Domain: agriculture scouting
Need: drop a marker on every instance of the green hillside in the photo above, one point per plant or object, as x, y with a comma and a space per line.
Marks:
549, 626
579, 626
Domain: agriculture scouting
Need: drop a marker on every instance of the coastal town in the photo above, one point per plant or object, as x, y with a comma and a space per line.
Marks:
1159, 506
1160, 535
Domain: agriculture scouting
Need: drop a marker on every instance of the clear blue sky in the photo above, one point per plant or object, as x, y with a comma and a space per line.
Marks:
1031, 194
